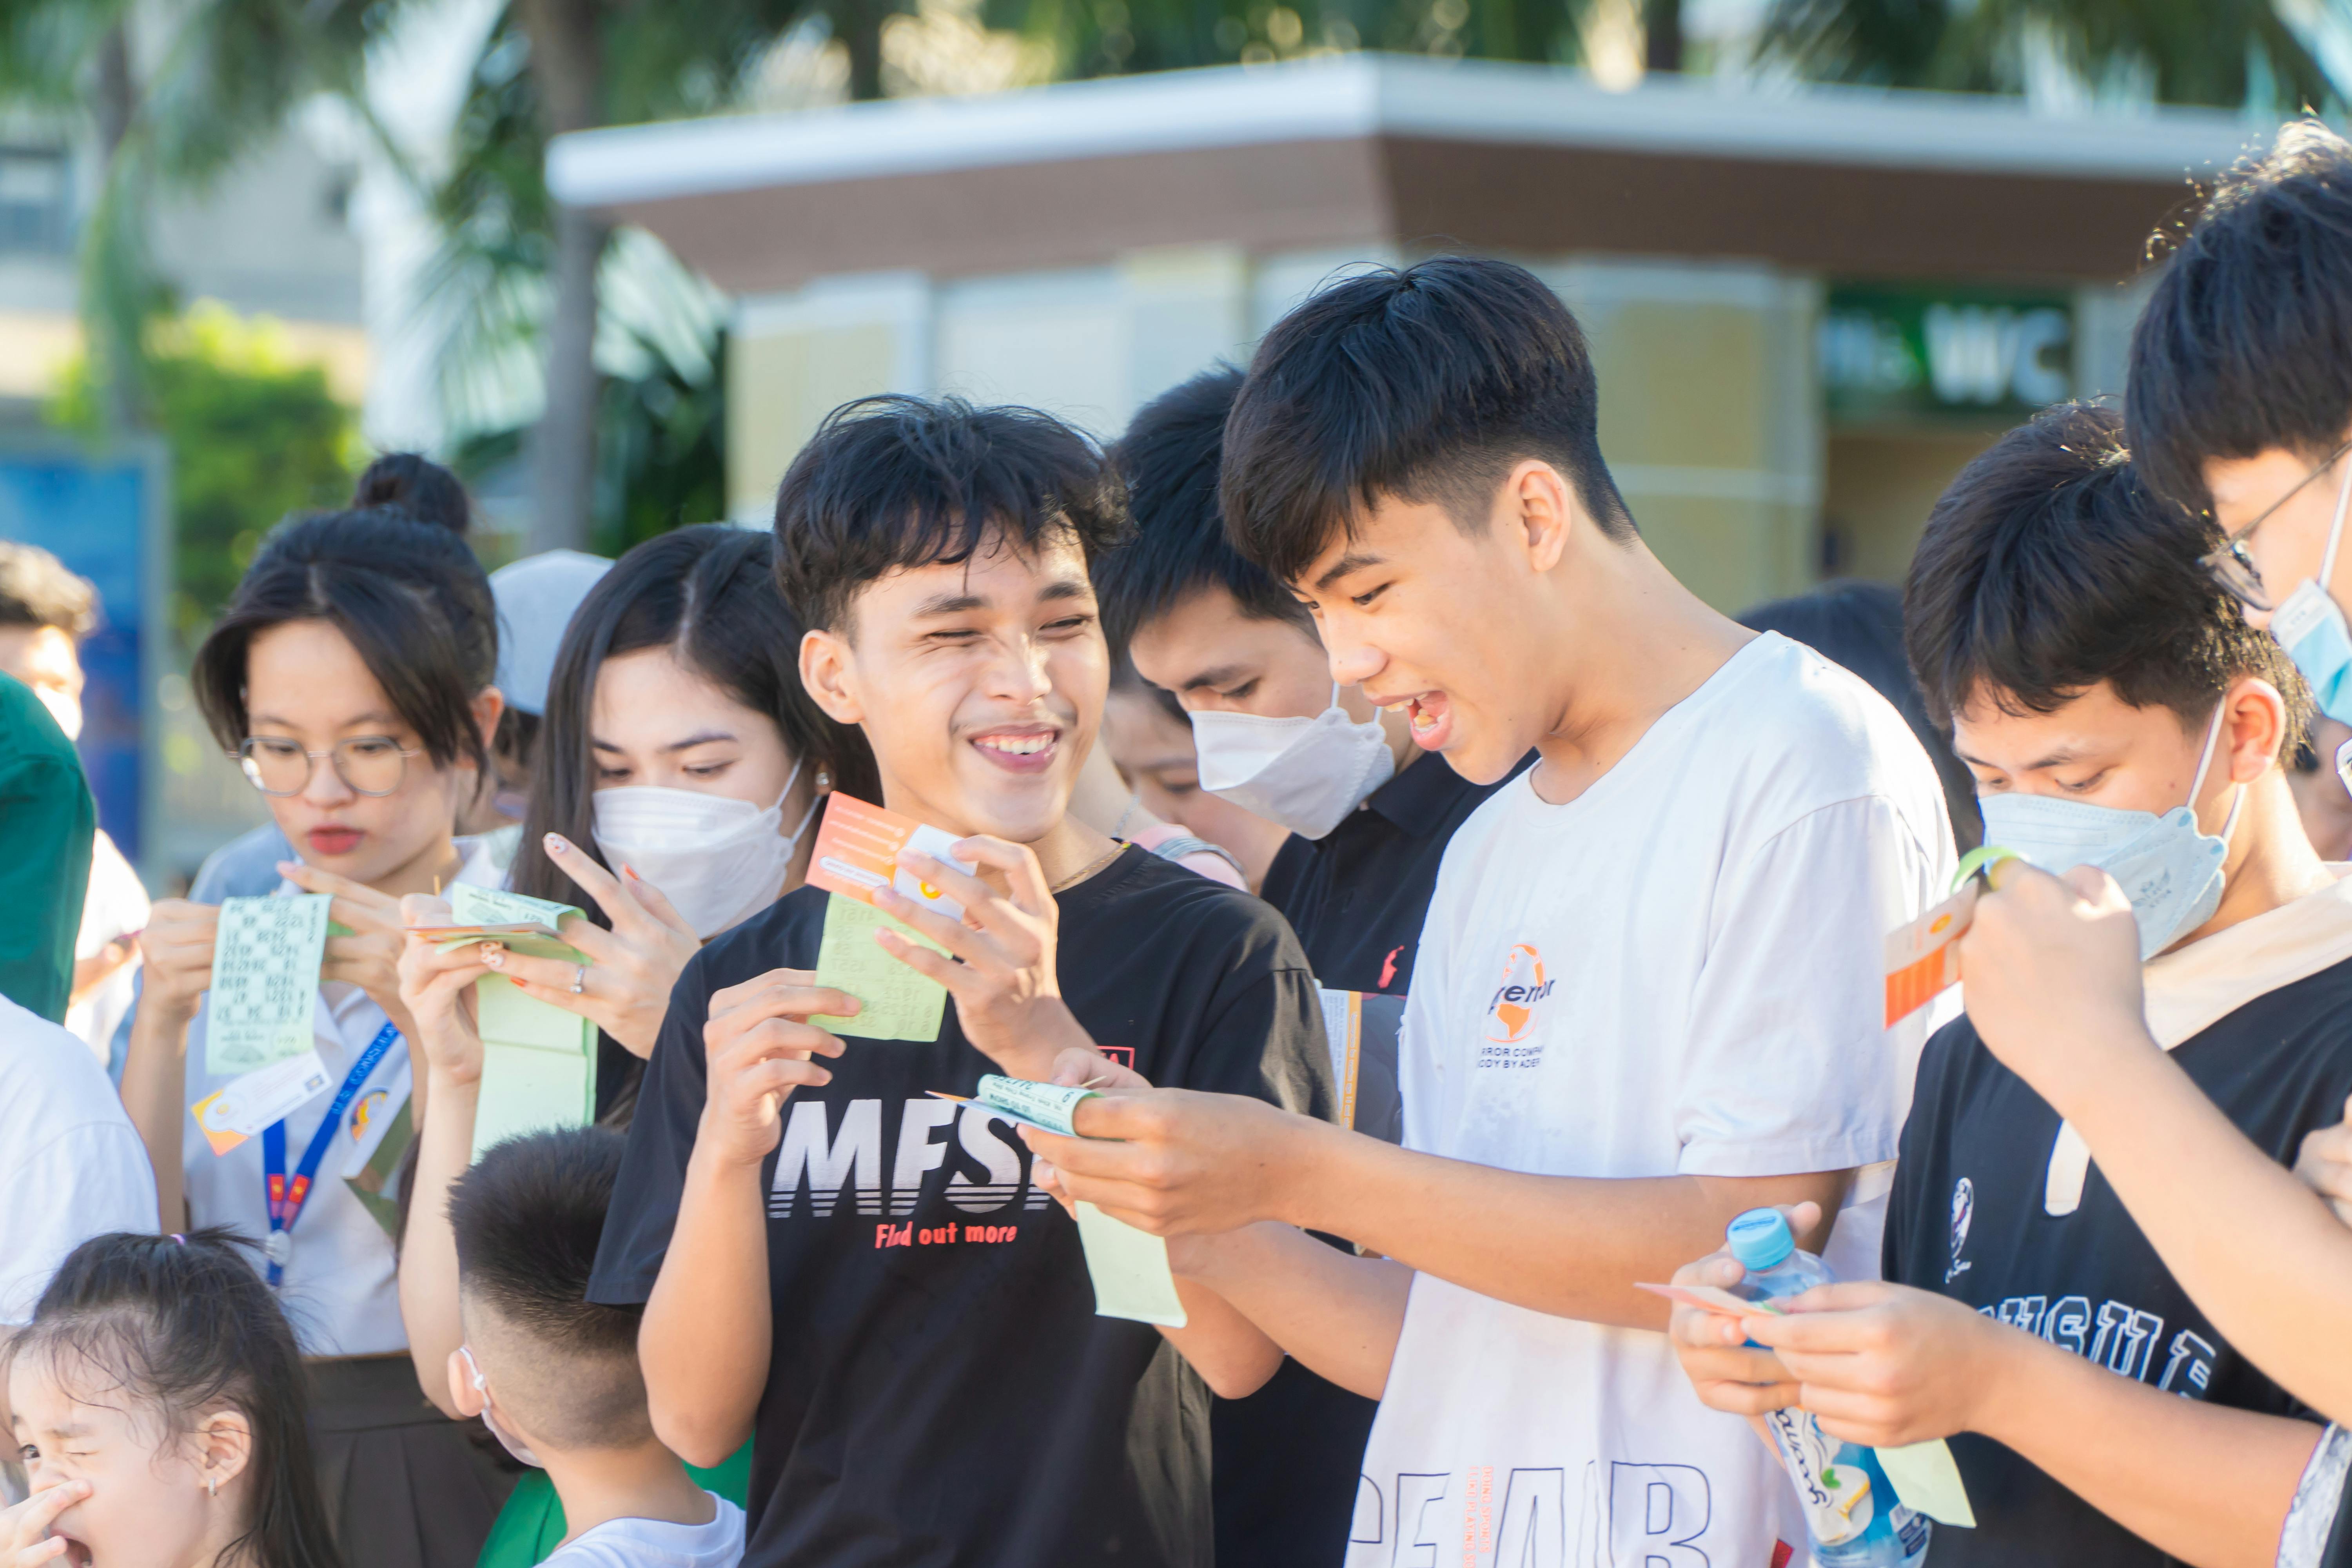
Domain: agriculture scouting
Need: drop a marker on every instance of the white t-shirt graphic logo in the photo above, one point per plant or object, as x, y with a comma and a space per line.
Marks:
1964, 1209
1511, 1010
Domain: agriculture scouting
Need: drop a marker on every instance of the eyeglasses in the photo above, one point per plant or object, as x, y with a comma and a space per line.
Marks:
368, 765
2233, 568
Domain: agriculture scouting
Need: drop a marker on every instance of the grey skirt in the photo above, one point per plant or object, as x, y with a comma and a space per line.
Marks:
404, 1486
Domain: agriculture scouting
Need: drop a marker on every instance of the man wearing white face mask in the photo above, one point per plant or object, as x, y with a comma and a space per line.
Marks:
1370, 817
2118, 713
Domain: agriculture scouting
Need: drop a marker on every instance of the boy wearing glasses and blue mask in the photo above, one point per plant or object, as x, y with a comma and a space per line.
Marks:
2118, 713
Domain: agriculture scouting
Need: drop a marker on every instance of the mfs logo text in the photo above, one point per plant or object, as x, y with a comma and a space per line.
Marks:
1511, 1011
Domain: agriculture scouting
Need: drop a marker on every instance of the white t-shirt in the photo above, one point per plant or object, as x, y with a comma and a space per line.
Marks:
116, 906
1681, 972
71, 1166
341, 1290
652, 1543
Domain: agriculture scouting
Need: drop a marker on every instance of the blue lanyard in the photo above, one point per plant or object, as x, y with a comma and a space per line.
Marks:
285, 1198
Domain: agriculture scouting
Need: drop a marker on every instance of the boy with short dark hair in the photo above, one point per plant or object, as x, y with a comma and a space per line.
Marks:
2117, 711
1647, 993
867, 1279
1370, 817
554, 1374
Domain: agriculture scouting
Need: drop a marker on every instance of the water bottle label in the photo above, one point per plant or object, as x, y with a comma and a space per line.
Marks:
1836, 1497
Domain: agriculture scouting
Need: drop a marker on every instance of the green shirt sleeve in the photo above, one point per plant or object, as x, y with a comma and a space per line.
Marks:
46, 823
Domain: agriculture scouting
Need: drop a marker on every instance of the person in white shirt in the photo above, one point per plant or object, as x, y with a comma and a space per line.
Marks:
1649, 990
350, 675
71, 1166
554, 1374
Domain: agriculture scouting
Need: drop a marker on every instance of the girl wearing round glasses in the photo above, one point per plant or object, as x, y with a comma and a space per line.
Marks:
350, 677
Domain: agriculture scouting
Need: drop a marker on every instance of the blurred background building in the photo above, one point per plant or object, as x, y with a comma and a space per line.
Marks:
613, 260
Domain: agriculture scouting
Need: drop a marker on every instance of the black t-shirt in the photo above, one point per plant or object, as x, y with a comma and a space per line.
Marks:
1356, 896
1288, 1457
940, 1391
1967, 1219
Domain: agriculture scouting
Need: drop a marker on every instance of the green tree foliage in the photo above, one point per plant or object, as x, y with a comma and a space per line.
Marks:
253, 436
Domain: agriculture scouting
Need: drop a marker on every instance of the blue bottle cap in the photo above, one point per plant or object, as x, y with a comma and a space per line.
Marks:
1759, 1238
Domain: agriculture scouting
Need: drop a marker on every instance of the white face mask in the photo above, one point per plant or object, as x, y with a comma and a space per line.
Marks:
718, 861
1307, 774
2169, 870
507, 1440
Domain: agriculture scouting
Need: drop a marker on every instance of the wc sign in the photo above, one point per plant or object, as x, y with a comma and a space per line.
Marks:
1900, 353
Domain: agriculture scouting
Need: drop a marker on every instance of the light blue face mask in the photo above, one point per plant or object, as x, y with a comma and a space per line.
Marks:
2169, 870
2309, 623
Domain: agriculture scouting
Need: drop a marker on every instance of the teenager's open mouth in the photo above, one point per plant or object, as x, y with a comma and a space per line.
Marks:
333, 840
1019, 751
1428, 717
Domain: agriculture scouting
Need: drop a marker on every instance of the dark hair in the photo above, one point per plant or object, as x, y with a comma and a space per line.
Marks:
418, 487
411, 598
2246, 344
527, 1217
2048, 567
1168, 460
37, 590
708, 595
1425, 384
1859, 626
1126, 678
183, 1324
895, 481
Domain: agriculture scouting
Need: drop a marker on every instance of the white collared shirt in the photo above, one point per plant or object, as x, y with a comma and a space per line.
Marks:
342, 1282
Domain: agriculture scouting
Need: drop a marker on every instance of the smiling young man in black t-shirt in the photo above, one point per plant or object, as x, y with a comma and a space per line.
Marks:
2098, 680
863, 1279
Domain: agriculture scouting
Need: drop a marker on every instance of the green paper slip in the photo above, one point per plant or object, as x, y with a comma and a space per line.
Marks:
474, 905
1129, 1269
1927, 1480
900, 1004
265, 975
539, 1065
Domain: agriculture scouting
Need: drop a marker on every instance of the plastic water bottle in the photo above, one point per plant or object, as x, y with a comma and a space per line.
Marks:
1850, 1508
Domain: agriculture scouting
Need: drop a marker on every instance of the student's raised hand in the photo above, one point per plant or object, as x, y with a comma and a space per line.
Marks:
2325, 1164
437, 989
1007, 997
1725, 1370
757, 1044
625, 988
1185, 1163
177, 949
370, 957
1884, 1365
2050, 974
25, 1529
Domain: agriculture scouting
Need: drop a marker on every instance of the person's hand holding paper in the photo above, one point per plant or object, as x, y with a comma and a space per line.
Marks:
630, 968
1174, 1161
437, 983
366, 951
759, 1044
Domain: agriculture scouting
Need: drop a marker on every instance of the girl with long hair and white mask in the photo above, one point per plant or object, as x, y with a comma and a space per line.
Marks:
682, 768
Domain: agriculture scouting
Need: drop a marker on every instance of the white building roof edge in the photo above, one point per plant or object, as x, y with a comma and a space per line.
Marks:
1356, 96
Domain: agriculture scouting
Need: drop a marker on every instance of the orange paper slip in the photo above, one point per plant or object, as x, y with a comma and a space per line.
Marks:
857, 849
1924, 958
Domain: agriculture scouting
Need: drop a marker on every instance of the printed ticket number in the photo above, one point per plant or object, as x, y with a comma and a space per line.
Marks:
1127, 1267
539, 1062
900, 1004
265, 981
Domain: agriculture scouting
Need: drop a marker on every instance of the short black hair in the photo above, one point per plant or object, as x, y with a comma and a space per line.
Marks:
1169, 460
527, 1218
896, 481
2246, 344
411, 597
418, 487
38, 590
1424, 384
2049, 566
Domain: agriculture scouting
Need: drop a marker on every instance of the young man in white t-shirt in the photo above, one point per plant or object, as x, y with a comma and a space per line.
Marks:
1649, 992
